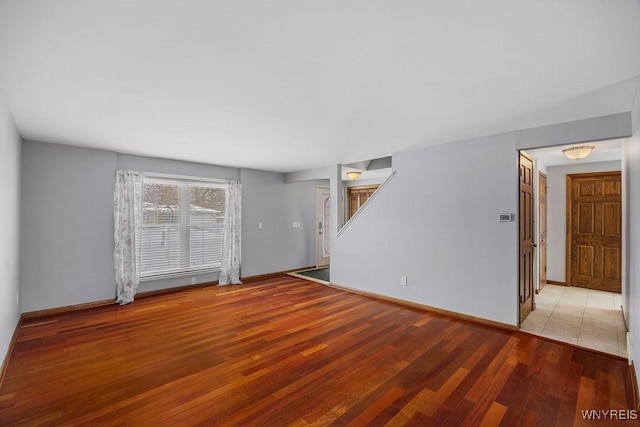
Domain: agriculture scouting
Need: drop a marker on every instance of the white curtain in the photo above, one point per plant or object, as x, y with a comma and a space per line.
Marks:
127, 215
230, 270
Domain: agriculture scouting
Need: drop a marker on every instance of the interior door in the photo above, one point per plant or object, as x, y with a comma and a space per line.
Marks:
594, 225
542, 229
356, 196
525, 237
323, 235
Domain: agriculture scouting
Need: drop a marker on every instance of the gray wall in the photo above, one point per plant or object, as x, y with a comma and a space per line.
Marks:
326, 172
67, 225
175, 167
67, 222
9, 232
267, 199
436, 222
557, 212
598, 128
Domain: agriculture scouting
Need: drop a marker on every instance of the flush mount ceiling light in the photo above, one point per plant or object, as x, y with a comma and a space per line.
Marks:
353, 175
575, 153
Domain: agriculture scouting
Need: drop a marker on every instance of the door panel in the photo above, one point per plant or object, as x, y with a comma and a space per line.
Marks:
610, 262
586, 260
594, 226
586, 189
525, 236
586, 218
612, 188
611, 220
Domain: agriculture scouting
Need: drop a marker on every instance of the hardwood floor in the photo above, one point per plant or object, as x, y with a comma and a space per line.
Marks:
292, 352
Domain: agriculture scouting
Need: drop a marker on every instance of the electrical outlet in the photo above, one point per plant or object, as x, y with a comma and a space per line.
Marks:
295, 224
403, 280
193, 280
259, 226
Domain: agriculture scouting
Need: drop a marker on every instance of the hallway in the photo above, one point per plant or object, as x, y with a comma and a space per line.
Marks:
584, 317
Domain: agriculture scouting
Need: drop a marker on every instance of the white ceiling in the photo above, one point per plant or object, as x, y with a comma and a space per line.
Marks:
290, 84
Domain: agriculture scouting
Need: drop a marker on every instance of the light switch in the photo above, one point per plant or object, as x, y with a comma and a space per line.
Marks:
259, 226
505, 217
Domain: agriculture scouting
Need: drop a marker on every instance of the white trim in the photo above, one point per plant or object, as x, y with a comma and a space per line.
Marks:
321, 261
181, 273
182, 177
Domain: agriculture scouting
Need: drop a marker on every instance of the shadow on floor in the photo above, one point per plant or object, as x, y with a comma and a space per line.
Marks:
317, 274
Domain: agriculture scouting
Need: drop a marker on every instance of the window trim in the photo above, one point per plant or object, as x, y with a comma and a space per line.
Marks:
183, 177
183, 273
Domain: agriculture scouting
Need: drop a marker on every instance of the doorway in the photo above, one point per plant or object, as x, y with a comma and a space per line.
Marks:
582, 316
323, 234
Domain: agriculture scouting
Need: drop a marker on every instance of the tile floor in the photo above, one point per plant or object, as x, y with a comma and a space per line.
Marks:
584, 317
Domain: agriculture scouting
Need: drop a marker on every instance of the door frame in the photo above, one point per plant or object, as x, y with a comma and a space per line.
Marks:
569, 219
542, 242
318, 230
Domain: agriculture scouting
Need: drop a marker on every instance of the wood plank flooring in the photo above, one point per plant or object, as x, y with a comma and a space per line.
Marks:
292, 352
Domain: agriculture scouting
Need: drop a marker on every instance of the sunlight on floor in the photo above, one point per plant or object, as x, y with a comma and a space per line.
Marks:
584, 317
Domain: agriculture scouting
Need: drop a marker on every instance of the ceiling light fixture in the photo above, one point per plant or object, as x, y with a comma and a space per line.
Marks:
353, 175
575, 153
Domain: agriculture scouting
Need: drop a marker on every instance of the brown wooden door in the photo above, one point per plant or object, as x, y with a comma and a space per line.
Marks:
594, 225
357, 196
542, 228
525, 236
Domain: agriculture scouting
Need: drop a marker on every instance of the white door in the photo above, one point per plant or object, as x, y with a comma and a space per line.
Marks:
323, 235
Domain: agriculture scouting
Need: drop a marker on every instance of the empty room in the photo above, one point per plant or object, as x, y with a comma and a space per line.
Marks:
319, 213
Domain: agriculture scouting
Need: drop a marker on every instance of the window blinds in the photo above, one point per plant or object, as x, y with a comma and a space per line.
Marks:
182, 226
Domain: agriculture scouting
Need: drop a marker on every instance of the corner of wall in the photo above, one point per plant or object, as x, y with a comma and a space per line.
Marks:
632, 179
10, 294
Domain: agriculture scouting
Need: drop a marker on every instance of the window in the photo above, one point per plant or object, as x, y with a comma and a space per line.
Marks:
182, 227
